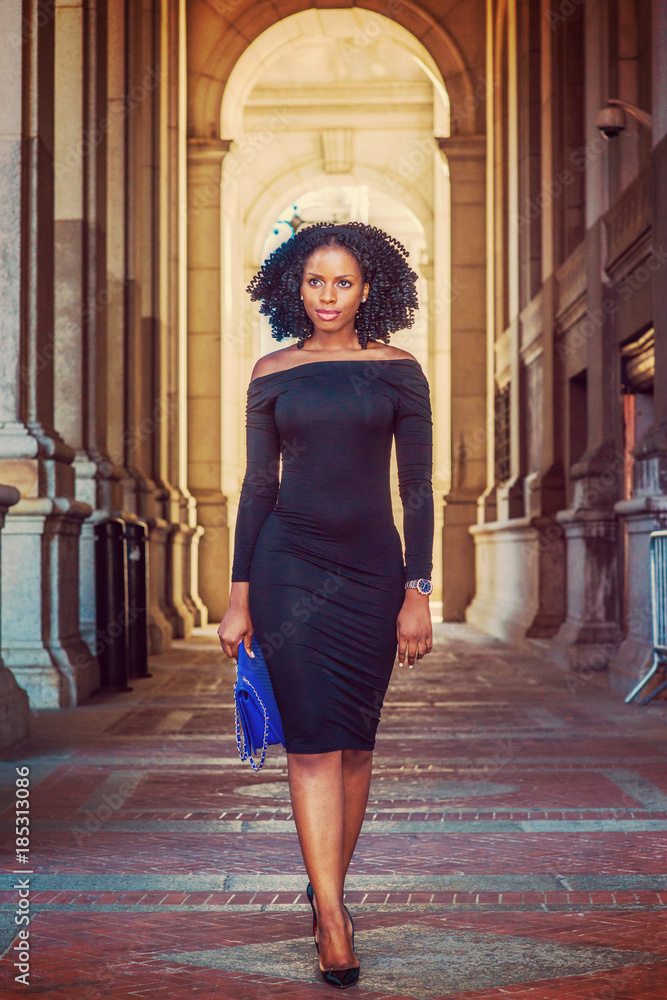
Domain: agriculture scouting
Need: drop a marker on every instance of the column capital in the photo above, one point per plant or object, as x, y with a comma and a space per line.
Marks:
463, 147
207, 152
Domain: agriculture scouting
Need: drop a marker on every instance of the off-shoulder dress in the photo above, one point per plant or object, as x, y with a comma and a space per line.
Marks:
316, 539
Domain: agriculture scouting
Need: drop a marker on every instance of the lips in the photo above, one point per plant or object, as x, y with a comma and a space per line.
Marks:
327, 313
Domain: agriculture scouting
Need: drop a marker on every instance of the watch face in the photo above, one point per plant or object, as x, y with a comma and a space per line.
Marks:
424, 586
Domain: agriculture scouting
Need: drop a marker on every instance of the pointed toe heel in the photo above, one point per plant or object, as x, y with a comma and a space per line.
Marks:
340, 978
311, 896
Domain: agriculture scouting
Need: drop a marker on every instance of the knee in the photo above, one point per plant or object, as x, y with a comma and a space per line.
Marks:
357, 759
314, 763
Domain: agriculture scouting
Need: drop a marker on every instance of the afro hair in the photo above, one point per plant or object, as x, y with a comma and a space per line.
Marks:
382, 260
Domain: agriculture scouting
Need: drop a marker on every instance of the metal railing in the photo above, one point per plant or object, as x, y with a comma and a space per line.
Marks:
658, 567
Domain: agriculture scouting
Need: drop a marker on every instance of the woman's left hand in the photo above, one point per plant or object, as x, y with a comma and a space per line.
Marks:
413, 628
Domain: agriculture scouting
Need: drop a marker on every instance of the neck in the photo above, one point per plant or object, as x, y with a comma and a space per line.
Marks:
332, 342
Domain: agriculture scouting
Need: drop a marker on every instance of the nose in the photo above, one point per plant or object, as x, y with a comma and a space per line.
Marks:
327, 295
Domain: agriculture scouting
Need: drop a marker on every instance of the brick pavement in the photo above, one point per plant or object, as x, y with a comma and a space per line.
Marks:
515, 846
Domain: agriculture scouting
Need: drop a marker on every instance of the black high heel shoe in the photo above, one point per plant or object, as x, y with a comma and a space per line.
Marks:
311, 896
342, 978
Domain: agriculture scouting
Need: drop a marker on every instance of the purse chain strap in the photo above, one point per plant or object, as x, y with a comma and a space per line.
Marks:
244, 752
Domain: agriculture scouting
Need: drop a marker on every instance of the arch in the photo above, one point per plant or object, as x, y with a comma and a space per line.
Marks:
302, 28
261, 212
218, 37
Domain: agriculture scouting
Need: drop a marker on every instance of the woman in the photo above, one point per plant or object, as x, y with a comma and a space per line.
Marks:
318, 569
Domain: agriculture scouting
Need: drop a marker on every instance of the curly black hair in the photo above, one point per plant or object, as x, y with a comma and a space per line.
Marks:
392, 297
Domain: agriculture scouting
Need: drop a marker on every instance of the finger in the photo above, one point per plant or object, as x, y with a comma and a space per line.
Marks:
224, 644
401, 652
247, 642
412, 653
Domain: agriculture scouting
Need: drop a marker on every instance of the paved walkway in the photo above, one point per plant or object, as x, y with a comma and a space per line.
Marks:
515, 845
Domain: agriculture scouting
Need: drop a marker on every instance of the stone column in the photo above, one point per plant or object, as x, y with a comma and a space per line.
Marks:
80, 270
466, 157
40, 611
146, 413
14, 704
205, 158
179, 505
590, 633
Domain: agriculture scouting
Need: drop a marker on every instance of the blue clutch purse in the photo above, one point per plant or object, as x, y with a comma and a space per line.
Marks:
258, 722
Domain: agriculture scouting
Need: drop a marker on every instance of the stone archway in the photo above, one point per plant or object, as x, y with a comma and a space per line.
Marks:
222, 74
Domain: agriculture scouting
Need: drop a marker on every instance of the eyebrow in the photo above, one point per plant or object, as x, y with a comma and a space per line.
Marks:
313, 274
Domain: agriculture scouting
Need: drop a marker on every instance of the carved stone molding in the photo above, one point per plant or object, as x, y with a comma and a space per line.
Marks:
531, 328
337, 150
463, 147
571, 285
207, 152
629, 218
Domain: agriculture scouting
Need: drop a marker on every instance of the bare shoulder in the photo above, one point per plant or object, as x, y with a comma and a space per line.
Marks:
388, 352
276, 361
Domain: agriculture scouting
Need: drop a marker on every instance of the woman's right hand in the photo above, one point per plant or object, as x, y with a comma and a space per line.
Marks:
236, 627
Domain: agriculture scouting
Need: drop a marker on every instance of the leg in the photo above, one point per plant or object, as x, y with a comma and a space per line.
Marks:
318, 801
357, 766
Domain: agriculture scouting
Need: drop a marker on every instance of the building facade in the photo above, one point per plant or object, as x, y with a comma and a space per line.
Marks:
577, 330
149, 153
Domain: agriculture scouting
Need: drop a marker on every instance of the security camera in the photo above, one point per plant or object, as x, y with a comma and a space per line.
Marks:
610, 121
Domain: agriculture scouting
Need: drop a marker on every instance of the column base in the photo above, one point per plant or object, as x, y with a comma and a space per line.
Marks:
590, 635
214, 555
520, 579
199, 609
634, 656
159, 628
14, 710
42, 645
458, 562
14, 704
180, 612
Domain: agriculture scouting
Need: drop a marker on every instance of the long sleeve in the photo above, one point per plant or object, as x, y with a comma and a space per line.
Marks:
259, 489
413, 429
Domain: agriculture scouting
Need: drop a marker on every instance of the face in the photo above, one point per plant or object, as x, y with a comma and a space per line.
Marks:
332, 289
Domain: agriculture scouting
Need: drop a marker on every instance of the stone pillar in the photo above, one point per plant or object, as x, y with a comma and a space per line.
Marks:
205, 158
14, 704
590, 633
145, 492
80, 270
466, 157
178, 504
40, 612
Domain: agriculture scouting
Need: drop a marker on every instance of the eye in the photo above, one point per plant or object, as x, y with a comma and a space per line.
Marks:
345, 282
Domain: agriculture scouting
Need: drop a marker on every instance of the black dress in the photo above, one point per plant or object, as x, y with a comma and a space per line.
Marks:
318, 543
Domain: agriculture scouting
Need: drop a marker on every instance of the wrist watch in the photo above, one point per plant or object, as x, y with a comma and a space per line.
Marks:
423, 586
